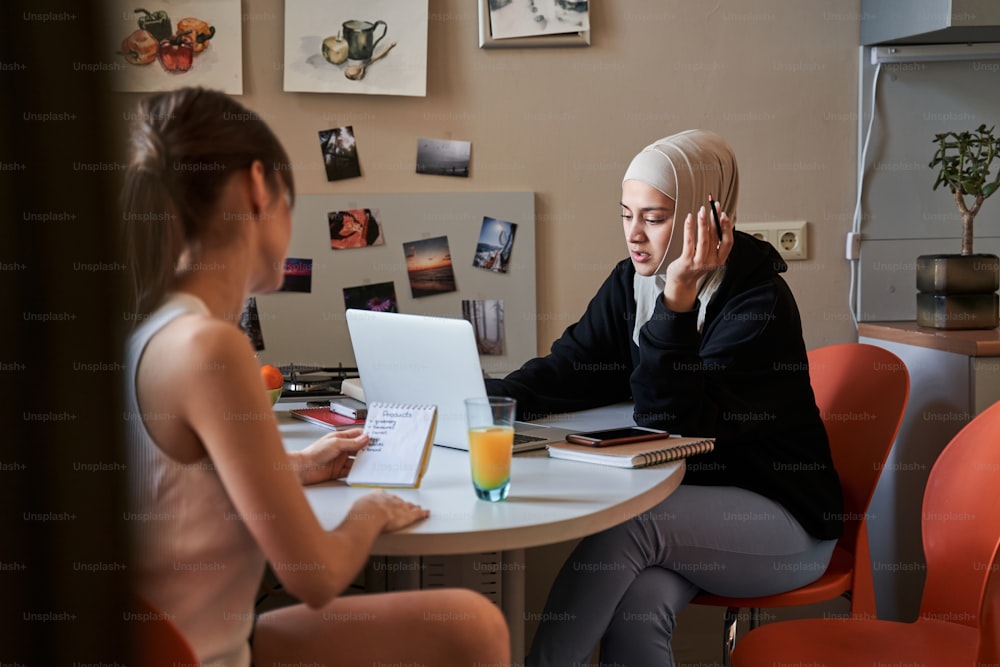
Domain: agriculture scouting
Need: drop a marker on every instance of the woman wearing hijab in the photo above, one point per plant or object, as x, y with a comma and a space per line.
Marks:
703, 334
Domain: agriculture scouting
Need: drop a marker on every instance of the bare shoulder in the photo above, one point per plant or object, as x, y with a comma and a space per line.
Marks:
205, 343
191, 360
192, 352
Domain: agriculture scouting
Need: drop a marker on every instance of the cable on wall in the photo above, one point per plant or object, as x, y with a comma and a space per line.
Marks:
854, 238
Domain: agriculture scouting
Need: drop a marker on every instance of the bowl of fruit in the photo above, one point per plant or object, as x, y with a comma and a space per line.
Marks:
273, 381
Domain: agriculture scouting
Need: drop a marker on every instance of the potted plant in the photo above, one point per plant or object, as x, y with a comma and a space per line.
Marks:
959, 291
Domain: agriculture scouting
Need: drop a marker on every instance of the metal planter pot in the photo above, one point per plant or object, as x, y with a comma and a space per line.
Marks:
958, 291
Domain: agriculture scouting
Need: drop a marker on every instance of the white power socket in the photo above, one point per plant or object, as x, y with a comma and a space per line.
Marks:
788, 238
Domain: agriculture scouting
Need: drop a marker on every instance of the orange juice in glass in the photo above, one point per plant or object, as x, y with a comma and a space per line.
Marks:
491, 444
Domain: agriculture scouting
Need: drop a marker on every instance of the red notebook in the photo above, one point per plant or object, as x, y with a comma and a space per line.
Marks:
327, 418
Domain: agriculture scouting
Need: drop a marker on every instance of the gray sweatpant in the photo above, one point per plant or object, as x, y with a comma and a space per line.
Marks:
625, 586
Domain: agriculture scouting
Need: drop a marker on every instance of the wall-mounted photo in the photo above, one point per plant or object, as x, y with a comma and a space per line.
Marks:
357, 228
496, 242
250, 324
367, 47
378, 296
443, 157
172, 43
428, 266
298, 275
528, 23
486, 316
340, 153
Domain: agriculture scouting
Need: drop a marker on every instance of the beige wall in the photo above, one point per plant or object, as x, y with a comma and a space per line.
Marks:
777, 78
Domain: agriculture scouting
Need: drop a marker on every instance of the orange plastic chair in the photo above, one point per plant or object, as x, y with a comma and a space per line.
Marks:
861, 391
959, 620
158, 642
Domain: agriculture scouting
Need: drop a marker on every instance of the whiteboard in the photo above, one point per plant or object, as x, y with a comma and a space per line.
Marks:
310, 329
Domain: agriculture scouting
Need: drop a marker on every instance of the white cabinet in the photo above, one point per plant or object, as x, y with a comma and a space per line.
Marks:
954, 375
929, 21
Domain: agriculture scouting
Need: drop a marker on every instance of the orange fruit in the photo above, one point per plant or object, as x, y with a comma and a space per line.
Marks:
272, 377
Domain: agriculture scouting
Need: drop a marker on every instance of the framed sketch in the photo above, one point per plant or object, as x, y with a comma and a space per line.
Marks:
366, 47
533, 23
174, 44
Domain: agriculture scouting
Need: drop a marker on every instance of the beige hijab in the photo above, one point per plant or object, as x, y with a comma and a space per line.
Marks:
686, 167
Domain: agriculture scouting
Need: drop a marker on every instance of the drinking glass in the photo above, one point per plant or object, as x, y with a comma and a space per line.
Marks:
491, 444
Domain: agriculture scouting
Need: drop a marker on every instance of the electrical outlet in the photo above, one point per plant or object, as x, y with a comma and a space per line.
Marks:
788, 238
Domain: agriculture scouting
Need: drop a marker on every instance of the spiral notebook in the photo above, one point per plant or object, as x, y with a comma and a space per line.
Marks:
634, 455
399, 449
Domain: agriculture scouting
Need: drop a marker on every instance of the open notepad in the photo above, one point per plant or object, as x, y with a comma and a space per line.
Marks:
400, 445
636, 454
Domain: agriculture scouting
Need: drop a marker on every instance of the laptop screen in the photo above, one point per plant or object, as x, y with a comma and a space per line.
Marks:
422, 360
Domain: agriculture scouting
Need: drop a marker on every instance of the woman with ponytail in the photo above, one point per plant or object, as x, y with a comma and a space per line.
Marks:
207, 210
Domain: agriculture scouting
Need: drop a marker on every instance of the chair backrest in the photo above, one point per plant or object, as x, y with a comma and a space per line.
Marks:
861, 391
961, 523
158, 642
988, 651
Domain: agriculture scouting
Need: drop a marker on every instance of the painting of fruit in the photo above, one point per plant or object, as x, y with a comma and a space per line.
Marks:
174, 50
174, 43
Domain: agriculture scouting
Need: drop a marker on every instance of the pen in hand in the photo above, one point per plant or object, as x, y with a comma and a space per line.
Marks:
715, 216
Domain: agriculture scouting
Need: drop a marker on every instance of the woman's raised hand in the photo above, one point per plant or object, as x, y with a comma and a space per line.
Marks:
702, 252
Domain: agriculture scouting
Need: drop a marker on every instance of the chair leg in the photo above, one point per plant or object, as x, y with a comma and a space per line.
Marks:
754, 618
729, 633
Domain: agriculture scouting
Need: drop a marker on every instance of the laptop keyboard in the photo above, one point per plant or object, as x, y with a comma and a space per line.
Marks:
521, 438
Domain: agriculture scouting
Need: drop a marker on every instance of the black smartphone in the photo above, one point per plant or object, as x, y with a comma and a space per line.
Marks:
615, 436
715, 217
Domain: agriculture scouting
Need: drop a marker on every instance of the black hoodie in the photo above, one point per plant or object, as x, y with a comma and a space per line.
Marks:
744, 380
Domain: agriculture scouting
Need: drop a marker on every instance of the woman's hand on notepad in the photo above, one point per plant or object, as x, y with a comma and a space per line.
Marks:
329, 457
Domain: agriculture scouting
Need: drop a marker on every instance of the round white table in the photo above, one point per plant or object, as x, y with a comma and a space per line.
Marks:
550, 501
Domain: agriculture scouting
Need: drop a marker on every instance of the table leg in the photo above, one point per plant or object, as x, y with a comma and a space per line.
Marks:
512, 601
400, 573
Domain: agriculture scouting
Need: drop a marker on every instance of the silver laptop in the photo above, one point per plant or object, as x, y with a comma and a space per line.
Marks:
429, 360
